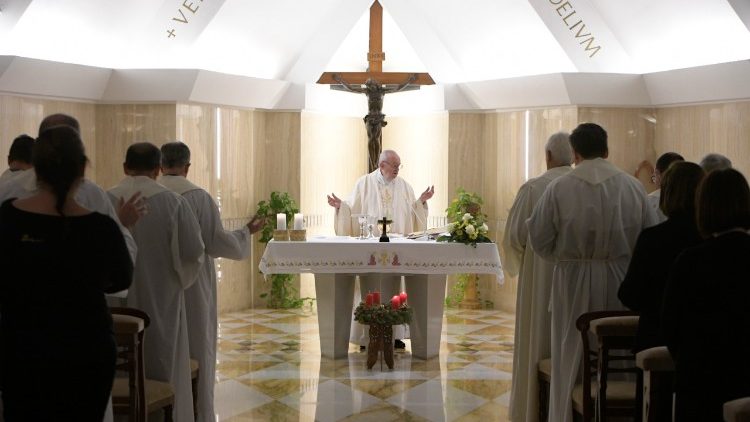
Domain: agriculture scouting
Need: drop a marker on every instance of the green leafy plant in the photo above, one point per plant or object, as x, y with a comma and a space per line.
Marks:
467, 220
283, 294
456, 294
467, 226
382, 314
458, 290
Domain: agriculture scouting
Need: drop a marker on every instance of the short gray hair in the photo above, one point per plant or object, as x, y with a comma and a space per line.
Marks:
175, 154
715, 161
384, 155
558, 146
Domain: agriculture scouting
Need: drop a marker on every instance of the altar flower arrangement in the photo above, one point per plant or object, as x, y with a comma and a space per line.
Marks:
467, 220
372, 312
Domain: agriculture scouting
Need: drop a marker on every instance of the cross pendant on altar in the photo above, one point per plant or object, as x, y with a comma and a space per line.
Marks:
383, 235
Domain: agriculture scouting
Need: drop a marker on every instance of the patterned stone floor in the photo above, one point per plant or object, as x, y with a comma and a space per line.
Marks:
270, 369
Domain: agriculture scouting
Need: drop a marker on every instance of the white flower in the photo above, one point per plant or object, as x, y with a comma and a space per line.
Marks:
484, 228
470, 230
466, 217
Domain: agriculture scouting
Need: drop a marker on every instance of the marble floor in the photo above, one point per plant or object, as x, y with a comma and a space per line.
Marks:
270, 369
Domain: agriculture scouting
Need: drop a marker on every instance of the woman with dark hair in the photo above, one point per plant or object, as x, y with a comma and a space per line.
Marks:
706, 317
58, 260
657, 247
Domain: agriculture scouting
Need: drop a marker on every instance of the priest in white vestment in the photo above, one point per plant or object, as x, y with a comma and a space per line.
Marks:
19, 156
200, 298
383, 194
170, 256
662, 164
532, 334
587, 222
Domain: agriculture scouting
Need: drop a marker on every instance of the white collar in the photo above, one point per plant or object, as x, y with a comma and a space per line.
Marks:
381, 179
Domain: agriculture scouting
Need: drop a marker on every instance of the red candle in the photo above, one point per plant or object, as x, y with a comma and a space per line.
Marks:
368, 299
403, 297
395, 302
376, 298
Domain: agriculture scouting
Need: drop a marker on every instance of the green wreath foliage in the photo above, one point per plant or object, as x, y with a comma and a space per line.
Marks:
382, 315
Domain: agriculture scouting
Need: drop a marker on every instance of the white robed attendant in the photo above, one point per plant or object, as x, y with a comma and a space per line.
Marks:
587, 222
379, 194
653, 200
7, 174
532, 332
170, 256
201, 297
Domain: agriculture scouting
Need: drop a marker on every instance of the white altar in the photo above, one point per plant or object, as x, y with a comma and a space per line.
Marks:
335, 261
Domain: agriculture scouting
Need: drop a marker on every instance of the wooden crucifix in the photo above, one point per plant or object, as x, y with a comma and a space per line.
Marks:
375, 84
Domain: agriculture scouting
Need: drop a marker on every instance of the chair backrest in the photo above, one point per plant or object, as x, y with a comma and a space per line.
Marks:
737, 410
129, 327
614, 334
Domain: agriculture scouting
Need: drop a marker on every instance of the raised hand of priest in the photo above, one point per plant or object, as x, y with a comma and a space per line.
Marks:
334, 201
130, 211
427, 194
256, 223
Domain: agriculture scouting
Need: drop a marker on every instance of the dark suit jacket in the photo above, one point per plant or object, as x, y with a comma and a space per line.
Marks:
706, 320
643, 288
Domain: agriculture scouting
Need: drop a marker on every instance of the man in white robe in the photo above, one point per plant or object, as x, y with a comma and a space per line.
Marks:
587, 221
383, 194
170, 256
19, 156
532, 334
662, 164
200, 298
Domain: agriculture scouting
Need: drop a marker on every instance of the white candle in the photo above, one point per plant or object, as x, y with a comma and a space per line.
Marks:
298, 221
281, 221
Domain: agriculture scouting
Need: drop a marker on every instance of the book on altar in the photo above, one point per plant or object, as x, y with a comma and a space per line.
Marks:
431, 233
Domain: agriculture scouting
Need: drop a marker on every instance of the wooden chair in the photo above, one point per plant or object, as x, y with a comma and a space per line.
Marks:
194, 374
737, 410
544, 375
658, 383
615, 332
135, 395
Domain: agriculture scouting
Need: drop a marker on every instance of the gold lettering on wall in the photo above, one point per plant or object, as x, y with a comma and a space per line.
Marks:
562, 7
187, 5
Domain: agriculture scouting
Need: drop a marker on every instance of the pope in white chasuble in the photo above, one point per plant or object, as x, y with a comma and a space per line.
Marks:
383, 194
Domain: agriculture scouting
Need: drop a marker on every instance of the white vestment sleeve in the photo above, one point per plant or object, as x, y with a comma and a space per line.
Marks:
419, 216
186, 244
343, 220
221, 243
543, 226
516, 231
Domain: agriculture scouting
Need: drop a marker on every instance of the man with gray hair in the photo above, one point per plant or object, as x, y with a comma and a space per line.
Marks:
532, 335
715, 161
200, 298
383, 194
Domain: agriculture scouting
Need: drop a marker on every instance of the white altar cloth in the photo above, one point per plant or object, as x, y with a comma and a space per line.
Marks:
343, 254
335, 261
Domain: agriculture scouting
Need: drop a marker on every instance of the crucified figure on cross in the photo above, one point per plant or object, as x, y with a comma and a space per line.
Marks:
375, 119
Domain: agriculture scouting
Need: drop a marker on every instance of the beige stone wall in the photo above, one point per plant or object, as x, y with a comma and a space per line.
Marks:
310, 155
695, 131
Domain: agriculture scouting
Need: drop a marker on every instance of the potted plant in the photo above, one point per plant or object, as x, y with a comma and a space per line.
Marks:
283, 294
467, 226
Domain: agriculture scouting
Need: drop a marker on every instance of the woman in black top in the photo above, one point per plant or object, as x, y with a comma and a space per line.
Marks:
57, 260
706, 316
657, 247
